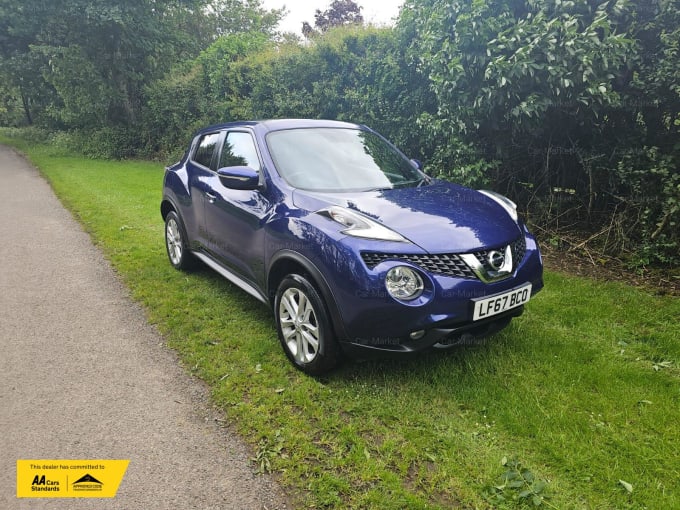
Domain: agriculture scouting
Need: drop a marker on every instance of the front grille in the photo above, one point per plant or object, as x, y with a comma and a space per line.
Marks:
448, 264
519, 248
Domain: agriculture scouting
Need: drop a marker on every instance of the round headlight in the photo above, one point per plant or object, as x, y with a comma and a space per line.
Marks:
403, 283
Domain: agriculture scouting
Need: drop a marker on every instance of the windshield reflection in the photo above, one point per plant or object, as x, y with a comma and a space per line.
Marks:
340, 160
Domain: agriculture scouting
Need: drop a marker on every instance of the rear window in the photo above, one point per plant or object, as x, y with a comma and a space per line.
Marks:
206, 149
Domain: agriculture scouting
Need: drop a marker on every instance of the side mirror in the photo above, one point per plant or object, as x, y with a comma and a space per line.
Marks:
417, 164
239, 177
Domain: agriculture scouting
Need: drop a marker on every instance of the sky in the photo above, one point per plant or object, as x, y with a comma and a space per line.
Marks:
377, 12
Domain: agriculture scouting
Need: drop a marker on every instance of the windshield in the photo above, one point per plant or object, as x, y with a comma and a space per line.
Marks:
339, 159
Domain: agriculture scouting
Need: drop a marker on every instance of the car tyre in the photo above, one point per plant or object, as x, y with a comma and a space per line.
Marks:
304, 328
176, 243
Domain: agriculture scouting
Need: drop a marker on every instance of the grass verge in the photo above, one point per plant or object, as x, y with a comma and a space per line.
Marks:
575, 405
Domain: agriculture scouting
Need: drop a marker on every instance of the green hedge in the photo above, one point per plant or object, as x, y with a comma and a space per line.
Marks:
571, 108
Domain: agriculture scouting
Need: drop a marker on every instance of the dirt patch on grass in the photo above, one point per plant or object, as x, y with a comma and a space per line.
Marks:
578, 263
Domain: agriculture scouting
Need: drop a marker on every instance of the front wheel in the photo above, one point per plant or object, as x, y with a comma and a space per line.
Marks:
303, 326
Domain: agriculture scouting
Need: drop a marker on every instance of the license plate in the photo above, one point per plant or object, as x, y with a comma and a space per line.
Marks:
490, 306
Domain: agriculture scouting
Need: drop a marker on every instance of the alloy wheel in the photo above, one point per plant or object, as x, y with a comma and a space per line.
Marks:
299, 325
173, 238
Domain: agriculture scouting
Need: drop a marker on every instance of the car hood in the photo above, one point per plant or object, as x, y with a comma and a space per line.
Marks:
441, 217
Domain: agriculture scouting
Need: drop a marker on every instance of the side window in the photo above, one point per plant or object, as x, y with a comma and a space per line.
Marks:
206, 149
239, 150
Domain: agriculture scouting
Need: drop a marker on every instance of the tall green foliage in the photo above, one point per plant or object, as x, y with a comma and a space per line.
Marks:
550, 102
571, 107
351, 73
198, 93
83, 64
535, 73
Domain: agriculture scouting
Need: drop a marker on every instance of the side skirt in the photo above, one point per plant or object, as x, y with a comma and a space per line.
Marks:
233, 278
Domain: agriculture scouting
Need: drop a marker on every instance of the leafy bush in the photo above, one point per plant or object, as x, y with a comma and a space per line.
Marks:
547, 101
104, 143
648, 182
195, 94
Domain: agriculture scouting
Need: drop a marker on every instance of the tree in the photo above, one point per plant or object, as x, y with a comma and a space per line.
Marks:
226, 17
86, 62
339, 13
206, 90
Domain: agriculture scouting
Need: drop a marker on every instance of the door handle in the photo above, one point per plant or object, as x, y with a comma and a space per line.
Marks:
211, 197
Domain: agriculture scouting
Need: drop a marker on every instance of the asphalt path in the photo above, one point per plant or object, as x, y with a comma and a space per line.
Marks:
84, 376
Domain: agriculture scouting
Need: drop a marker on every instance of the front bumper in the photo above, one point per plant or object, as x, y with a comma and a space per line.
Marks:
374, 322
441, 337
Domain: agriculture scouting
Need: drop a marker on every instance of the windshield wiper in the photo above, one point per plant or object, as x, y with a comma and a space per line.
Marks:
378, 188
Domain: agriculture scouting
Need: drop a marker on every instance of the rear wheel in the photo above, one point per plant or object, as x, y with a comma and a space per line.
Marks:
176, 243
304, 329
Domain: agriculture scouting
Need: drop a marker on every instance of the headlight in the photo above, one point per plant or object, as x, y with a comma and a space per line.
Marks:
359, 225
505, 202
403, 283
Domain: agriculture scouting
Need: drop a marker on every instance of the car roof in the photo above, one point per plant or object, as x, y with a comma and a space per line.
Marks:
266, 126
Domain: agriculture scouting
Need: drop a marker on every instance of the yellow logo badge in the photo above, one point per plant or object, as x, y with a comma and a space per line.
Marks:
69, 478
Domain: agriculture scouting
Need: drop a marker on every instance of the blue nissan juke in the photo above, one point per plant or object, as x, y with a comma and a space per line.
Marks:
354, 247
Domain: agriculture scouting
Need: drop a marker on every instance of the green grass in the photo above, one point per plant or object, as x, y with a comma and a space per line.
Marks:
583, 389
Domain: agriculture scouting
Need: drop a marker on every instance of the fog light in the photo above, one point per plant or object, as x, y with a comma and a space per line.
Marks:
403, 283
417, 335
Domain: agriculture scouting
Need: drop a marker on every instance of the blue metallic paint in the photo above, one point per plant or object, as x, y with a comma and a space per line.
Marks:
251, 232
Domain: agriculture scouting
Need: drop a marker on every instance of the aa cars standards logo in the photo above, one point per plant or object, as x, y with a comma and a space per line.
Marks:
69, 478
43, 484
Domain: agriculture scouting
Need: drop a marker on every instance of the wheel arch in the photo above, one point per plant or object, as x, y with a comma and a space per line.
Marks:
166, 207
187, 260
288, 262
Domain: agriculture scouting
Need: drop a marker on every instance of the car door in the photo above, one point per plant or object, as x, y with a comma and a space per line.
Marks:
200, 168
235, 218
